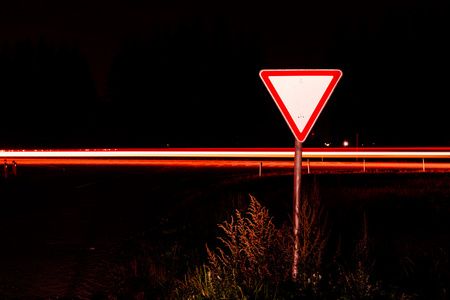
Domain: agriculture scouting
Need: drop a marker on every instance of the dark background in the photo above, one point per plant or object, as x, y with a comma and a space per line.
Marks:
90, 74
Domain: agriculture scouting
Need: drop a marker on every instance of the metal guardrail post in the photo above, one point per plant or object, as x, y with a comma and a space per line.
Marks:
14, 168
5, 168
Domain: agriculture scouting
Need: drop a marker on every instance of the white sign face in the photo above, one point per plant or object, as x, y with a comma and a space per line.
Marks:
300, 95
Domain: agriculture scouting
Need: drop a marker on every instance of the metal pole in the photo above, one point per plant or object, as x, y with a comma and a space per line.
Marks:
260, 169
423, 164
308, 166
296, 206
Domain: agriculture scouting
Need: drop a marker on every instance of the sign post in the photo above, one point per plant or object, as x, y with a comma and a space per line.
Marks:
300, 96
296, 204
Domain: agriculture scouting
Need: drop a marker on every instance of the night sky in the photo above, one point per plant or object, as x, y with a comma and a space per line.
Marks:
394, 56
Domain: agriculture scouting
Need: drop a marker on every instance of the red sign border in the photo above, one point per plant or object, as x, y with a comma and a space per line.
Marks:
300, 136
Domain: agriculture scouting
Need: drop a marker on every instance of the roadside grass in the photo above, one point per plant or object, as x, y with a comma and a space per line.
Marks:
387, 237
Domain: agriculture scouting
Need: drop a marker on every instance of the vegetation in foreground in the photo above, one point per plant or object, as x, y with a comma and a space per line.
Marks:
256, 262
252, 259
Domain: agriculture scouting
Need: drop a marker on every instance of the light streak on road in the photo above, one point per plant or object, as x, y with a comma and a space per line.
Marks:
187, 153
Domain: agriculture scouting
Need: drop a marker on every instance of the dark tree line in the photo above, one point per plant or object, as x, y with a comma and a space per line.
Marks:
46, 95
199, 86
187, 88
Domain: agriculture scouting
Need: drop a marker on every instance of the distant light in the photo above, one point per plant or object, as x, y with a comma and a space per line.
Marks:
345, 143
327, 144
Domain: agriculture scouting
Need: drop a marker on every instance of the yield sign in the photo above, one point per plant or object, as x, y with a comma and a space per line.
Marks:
300, 95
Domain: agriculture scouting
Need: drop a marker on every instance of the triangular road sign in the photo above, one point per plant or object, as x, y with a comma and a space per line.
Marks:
300, 95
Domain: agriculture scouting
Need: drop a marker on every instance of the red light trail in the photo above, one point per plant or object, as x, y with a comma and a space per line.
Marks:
276, 158
186, 153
